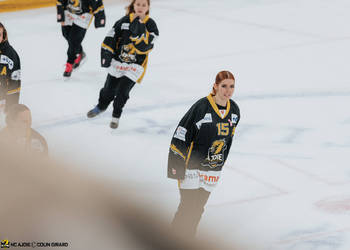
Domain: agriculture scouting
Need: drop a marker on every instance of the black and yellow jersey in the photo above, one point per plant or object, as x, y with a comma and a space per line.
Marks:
10, 74
79, 7
201, 143
126, 47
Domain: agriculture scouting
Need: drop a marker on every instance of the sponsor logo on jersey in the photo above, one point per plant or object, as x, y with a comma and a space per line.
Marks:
195, 178
180, 133
208, 179
207, 119
215, 156
6, 60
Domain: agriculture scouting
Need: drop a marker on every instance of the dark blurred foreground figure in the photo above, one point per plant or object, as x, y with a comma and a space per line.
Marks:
19, 131
44, 202
199, 149
10, 72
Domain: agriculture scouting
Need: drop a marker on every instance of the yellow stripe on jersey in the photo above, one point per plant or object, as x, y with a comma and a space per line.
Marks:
233, 131
132, 16
107, 47
189, 154
177, 151
144, 65
14, 91
98, 9
143, 38
215, 107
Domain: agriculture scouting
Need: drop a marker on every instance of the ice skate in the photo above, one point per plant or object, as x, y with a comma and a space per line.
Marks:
114, 123
94, 112
80, 60
68, 71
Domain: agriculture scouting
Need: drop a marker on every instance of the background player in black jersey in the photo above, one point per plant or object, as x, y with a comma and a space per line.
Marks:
125, 53
20, 133
199, 149
10, 72
75, 17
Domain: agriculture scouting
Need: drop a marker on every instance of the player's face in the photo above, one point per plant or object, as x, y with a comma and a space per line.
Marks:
1, 34
224, 90
141, 7
23, 123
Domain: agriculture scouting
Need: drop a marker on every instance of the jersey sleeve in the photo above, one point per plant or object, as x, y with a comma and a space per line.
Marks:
60, 5
99, 13
109, 45
143, 35
181, 143
14, 81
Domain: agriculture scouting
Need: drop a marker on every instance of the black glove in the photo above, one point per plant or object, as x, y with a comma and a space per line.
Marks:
100, 19
136, 28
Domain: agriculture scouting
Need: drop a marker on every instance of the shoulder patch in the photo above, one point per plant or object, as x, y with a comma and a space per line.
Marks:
206, 119
234, 118
180, 133
125, 26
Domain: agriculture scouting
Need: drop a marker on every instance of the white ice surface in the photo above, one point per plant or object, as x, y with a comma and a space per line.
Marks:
292, 146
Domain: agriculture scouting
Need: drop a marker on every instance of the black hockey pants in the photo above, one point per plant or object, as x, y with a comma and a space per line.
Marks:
116, 89
190, 211
74, 36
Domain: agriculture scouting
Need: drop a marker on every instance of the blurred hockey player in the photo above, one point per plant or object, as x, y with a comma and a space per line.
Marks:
199, 149
125, 53
10, 72
75, 17
19, 131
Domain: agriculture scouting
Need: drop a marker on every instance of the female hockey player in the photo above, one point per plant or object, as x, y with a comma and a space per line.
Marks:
199, 149
10, 72
75, 17
125, 53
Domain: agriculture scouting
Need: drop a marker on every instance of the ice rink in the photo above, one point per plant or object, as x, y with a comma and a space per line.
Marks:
285, 185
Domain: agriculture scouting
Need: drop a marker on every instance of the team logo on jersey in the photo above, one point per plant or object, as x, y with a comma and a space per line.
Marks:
74, 6
215, 156
128, 53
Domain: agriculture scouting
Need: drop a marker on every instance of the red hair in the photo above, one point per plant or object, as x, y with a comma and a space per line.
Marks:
222, 75
130, 8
